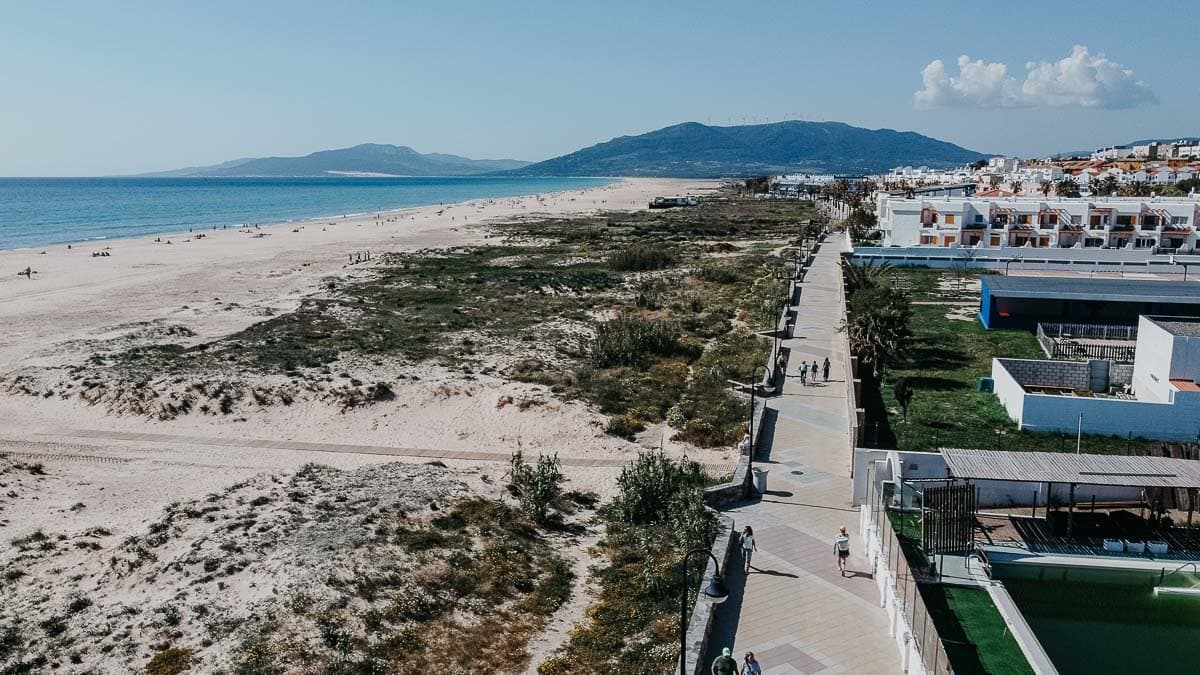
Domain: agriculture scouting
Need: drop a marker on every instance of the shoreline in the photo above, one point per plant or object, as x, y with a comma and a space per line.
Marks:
299, 220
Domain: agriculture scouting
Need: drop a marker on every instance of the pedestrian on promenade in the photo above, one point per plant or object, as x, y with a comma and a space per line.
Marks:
803, 372
841, 548
748, 547
814, 371
724, 664
750, 666
826, 377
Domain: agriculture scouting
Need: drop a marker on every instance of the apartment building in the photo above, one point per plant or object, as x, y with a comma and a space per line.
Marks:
1160, 223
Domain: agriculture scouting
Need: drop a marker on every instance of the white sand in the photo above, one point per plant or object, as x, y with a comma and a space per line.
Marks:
76, 298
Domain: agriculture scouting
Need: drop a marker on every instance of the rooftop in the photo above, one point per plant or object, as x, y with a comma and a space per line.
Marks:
1181, 326
1081, 469
1078, 288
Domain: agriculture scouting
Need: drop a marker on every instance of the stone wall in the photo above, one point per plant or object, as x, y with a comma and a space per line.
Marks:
700, 627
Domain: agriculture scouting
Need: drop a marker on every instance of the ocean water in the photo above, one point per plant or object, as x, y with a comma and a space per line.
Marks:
45, 211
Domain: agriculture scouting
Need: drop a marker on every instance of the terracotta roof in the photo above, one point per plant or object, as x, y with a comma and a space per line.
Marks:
1184, 385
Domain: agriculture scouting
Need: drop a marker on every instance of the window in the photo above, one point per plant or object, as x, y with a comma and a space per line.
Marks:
1095, 222
1024, 219
1076, 220
1126, 220
949, 218
979, 218
1179, 220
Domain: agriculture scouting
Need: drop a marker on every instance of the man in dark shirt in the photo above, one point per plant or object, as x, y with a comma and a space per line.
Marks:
724, 664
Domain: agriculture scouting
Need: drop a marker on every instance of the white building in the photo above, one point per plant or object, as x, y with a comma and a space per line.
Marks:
1160, 399
1029, 221
1113, 152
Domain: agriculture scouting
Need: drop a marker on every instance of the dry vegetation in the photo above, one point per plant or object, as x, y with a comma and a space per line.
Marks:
392, 568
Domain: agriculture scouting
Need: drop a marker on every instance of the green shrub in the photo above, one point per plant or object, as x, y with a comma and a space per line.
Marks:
646, 487
642, 258
624, 426
538, 487
717, 274
633, 341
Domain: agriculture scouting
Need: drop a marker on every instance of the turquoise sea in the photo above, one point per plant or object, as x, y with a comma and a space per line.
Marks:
44, 211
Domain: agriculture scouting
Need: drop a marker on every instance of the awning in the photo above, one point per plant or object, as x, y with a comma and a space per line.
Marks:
1081, 469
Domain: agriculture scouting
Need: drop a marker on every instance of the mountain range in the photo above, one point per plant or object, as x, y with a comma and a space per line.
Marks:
698, 150
688, 150
365, 159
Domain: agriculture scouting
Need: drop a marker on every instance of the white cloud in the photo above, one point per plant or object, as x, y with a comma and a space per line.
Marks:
1081, 79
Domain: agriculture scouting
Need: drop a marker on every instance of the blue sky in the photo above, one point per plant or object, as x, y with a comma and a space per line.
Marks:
103, 88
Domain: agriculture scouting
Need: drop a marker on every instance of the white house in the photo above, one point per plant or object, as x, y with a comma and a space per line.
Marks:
1159, 399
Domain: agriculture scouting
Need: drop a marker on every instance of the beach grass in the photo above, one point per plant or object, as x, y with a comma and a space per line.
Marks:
643, 314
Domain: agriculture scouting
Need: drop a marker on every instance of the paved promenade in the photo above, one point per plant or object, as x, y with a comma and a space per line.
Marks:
794, 610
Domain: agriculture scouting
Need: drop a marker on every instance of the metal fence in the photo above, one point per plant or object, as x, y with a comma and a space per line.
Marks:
1063, 345
1090, 331
908, 593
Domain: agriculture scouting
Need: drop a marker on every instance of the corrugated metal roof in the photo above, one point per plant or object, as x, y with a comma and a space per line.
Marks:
1055, 467
1069, 288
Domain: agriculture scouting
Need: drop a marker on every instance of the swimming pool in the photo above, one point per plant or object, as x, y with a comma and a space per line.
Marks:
1107, 623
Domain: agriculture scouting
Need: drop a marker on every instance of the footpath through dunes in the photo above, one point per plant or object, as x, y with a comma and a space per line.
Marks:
794, 610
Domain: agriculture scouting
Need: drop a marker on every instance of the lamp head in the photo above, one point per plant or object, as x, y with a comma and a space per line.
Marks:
716, 590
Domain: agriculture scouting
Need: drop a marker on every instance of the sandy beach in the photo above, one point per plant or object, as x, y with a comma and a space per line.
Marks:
227, 280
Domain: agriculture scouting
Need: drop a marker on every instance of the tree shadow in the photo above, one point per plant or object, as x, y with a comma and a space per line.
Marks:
937, 358
877, 430
935, 383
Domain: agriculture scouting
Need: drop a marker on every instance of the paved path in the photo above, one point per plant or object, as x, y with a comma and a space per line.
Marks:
794, 611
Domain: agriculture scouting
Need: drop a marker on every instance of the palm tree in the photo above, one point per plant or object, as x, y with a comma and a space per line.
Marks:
1016, 186
1067, 187
877, 327
866, 275
1045, 186
1107, 185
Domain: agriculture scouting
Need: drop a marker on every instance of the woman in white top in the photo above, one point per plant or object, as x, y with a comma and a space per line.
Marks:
748, 547
841, 548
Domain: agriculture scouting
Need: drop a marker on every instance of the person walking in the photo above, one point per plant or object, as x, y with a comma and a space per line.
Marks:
803, 372
826, 369
841, 548
814, 371
750, 666
724, 664
748, 547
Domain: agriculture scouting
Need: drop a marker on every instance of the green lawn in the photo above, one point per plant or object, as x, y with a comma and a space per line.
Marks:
973, 632
948, 411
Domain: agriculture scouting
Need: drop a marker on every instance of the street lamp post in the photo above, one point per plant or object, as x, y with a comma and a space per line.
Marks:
1009, 262
715, 591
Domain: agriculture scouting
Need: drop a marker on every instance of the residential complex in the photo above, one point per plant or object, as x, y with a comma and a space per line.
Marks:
1114, 223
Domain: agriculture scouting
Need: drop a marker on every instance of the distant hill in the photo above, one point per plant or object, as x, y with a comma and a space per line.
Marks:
692, 149
368, 158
